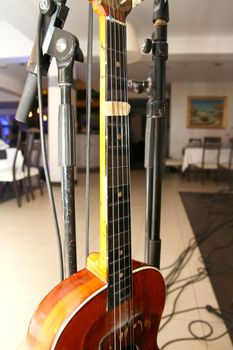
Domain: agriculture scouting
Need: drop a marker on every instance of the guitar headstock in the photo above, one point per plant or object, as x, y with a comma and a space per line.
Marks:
118, 9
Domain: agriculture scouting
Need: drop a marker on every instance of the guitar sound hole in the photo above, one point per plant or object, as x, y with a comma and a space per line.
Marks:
131, 347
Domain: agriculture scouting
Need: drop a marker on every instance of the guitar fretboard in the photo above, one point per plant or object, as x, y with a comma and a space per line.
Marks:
116, 69
118, 181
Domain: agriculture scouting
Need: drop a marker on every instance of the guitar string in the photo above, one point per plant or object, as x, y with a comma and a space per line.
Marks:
122, 72
109, 58
121, 189
114, 54
125, 192
129, 196
108, 40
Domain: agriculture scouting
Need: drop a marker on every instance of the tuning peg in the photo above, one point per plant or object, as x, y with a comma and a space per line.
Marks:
147, 46
137, 2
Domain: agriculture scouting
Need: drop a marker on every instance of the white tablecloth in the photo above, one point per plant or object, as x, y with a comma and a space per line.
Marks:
3, 145
8, 162
194, 156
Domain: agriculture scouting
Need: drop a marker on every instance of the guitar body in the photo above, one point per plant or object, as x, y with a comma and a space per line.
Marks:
74, 315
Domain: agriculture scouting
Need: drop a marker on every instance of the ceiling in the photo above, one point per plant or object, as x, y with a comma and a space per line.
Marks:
199, 34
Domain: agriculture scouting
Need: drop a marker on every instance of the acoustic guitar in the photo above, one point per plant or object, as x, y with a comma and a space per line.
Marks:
114, 303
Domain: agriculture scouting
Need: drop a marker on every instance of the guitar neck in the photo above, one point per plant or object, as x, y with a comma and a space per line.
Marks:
116, 136
115, 221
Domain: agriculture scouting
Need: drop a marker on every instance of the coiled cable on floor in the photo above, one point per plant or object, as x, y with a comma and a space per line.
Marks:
180, 284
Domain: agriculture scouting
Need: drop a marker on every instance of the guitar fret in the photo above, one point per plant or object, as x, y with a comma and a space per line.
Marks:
116, 297
119, 167
121, 202
120, 260
117, 147
123, 275
118, 219
118, 186
113, 276
118, 210
120, 247
115, 122
119, 240
121, 285
122, 281
116, 51
117, 77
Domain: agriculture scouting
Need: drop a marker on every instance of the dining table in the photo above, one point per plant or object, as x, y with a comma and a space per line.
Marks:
193, 155
3, 145
7, 161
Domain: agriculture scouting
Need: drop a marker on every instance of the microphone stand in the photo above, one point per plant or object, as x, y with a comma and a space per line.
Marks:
156, 113
64, 47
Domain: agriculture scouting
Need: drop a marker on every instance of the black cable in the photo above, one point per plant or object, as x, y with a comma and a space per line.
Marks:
196, 337
209, 229
184, 258
43, 146
197, 308
182, 288
203, 337
88, 122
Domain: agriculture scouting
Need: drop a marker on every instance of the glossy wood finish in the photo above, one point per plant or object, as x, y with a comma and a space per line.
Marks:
117, 9
74, 316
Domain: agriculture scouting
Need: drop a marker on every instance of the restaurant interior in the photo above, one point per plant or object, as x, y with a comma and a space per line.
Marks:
195, 211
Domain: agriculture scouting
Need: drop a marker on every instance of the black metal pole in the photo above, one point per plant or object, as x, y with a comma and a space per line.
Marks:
156, 116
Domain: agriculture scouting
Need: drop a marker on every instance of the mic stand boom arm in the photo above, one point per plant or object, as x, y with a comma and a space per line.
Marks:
156, 113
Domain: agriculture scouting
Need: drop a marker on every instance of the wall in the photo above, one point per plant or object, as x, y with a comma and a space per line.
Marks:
179, 134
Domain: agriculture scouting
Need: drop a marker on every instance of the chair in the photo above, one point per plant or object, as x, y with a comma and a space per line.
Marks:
11, 169
226, 168
211, 164
32, 153
192, 143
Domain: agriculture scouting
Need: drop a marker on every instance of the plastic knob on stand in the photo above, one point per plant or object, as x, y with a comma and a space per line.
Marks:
147, 46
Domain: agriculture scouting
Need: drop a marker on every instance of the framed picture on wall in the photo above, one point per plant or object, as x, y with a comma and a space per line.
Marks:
207, 112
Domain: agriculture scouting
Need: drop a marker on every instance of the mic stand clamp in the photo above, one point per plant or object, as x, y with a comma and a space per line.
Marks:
65, 48
156, 113
54, 16
140, 86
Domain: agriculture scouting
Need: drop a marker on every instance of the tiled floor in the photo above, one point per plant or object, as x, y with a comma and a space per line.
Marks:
29, 260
